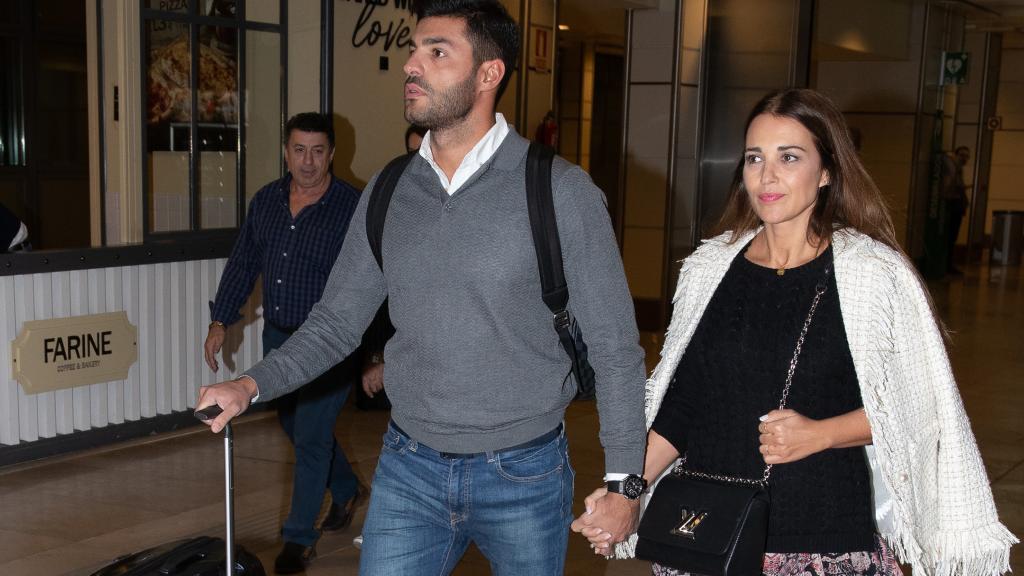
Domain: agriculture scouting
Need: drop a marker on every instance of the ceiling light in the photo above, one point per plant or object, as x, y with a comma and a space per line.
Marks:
563, 27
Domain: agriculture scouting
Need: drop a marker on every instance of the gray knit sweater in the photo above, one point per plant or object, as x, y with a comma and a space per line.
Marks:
475, 363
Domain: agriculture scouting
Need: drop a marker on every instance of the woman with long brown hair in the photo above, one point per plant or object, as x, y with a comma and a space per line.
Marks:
873, 452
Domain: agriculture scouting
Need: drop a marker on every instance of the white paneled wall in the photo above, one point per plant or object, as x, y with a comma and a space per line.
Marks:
167, 302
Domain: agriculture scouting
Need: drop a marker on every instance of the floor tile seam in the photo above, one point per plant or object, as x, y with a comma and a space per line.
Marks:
42, 554
249, 527
1008, 472
46, 548
89, 489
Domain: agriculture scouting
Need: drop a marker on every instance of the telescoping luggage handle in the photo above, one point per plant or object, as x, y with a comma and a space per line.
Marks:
209, 413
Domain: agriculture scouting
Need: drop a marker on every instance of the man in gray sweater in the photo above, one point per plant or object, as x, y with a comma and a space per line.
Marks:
476, 450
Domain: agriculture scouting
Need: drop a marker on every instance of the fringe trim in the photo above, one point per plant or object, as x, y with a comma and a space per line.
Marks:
625, 549
983, 551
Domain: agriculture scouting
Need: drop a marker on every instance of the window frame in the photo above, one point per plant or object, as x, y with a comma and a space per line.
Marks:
195, 21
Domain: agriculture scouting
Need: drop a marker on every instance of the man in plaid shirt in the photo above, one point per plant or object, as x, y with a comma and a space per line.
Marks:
292, 235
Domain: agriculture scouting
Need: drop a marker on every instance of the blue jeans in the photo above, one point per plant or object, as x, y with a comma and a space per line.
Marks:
426, 507
307, 416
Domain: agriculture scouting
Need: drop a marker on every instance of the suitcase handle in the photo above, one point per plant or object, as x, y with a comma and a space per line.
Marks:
209, 413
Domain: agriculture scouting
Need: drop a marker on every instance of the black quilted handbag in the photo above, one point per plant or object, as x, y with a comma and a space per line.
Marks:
703, 526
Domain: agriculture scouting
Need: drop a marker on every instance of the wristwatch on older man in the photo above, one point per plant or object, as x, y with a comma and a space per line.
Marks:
631, 487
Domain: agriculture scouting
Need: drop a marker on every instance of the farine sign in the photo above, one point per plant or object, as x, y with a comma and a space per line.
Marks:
66, 352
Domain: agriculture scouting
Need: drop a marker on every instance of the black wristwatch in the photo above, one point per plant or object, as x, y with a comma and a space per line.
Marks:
631, 486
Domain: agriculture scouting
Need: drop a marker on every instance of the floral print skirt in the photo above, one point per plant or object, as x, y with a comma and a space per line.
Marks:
878, 562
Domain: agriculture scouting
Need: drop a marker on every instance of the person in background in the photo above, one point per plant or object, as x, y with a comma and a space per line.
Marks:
292, 234
414, 137
806, 237
13, 232
954, 194
547, 131
476, 449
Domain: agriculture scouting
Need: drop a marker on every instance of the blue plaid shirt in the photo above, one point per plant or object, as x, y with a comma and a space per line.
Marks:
295, 255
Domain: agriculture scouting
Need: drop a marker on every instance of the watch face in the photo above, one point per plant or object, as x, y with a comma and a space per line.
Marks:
633, 487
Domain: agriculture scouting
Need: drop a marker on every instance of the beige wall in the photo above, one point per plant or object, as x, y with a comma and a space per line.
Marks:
304, 56
1006, 187
368, 101
123, 144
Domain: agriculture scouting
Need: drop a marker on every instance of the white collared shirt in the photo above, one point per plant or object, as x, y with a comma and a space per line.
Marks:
474, 159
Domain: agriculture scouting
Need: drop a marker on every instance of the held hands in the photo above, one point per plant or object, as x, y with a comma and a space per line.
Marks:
232, 396
788, 436
610, 518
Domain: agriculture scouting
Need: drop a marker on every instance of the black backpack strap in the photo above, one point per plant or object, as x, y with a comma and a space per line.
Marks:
545, 228
549, 256
380, 199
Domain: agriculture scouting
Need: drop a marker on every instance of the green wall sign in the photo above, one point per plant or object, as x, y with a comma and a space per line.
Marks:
954, 68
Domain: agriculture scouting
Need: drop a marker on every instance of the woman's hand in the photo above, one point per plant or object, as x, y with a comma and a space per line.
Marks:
788, 436
598, 537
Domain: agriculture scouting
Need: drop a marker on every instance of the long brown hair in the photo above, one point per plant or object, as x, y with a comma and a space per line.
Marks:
850, 199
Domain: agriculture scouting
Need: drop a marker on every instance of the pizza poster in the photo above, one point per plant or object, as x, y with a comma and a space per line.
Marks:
168, 75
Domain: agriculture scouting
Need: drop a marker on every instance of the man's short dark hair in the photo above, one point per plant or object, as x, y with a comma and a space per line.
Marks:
492, 31
310, 122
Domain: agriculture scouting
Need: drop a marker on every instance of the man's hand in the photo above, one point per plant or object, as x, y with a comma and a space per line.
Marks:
232, 396
214, 342
373, 378
610, 518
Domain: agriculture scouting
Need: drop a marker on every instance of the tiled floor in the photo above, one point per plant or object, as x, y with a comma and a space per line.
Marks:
69, 515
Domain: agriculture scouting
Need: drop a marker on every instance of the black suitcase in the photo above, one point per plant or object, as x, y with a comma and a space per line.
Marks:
200, 556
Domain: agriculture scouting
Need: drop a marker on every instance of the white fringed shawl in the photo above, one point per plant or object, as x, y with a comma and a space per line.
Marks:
932, 499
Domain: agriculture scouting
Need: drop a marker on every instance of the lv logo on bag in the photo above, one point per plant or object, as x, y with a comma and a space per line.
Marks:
691, 519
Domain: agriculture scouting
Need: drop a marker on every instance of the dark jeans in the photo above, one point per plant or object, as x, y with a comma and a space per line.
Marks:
307, 416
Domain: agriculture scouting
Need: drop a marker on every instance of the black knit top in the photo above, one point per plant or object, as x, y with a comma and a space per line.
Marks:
733, 371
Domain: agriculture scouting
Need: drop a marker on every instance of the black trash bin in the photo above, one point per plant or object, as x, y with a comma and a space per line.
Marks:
1007, 237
